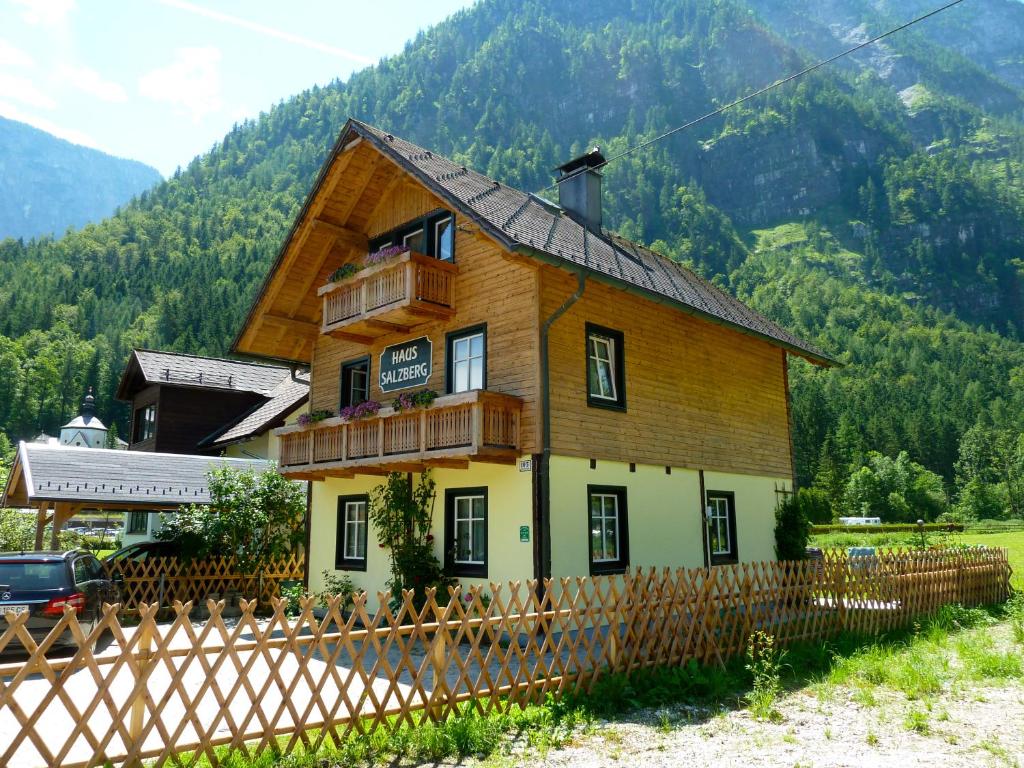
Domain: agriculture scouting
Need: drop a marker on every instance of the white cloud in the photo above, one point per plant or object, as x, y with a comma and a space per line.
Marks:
13, 57
24, 90
45, 13
191, 82
91, 82
13, 112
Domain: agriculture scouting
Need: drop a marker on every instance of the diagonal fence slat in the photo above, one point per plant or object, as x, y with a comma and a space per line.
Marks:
168, 692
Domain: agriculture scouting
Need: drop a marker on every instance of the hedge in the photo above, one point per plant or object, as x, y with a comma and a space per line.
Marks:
889, 528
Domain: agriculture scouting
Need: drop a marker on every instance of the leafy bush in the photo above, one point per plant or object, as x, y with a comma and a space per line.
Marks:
336, 584
888, 528
18, 533
792, 530
764, 662
896, 490
253, 516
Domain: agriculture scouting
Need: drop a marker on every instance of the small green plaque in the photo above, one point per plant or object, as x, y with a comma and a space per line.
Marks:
524, 533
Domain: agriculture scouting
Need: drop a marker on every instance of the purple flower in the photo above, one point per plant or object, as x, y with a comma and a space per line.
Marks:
385, 253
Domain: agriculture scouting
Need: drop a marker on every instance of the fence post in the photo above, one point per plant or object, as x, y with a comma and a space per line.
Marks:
139, 704
437, 654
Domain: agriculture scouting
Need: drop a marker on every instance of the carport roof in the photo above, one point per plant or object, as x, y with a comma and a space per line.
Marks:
99, 477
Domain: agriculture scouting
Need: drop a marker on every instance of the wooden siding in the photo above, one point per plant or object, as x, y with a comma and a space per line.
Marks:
698, 395
491, 287
186, 415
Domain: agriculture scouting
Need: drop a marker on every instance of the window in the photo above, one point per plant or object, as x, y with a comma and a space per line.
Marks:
414, 240
465, 513
444, 238
721, 524
145, 422
609, 532
355, 382
350, 553
467, 359
138, 522
606, 384
432, 235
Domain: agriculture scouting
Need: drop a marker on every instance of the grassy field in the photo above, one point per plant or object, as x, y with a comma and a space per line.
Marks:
1012, 540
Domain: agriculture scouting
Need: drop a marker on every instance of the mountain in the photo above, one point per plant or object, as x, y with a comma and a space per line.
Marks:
48, 185
875, 207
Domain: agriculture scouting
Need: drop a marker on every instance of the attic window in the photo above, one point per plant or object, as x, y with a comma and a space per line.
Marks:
431, 235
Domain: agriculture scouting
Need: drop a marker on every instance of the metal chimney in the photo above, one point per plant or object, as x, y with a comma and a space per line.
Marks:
579, 188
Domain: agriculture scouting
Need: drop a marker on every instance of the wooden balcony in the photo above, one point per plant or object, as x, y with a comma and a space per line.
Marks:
478, 425
393, 297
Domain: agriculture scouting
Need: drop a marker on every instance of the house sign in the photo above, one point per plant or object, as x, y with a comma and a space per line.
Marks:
406, 365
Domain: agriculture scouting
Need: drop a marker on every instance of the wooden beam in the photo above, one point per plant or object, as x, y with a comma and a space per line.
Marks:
389, 188
357, 194
344, 336
62, 512
291, 325
41, 520
395, 327
352, 237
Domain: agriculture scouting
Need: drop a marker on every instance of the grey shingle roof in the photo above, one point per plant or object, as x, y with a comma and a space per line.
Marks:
524, 222
100, 476
285, 398
208, 372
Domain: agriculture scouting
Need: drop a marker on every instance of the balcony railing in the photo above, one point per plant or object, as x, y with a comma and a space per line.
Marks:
478, 425
403, 292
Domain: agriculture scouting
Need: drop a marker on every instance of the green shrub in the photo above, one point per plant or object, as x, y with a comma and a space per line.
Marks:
792, 529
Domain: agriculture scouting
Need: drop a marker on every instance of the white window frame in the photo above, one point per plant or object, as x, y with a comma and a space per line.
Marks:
602, 521
468, 361
469, 521
437, 238
354, 527
593, 339
421, 232
719, 522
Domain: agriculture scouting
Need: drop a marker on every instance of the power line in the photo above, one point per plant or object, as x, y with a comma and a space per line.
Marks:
763, 90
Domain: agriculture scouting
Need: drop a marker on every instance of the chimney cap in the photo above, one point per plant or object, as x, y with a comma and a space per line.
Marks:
592, 159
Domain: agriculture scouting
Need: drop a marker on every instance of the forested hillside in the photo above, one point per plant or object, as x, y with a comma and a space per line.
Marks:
876, 208
48, 185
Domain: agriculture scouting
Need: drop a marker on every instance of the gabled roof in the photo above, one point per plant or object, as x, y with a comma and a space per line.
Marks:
289, 395
526, 224
98, 476
181, 370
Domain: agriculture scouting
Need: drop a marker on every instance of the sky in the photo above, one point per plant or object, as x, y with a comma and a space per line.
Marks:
162, 80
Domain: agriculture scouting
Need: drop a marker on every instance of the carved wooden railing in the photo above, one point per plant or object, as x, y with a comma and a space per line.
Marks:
478, 423
409, 281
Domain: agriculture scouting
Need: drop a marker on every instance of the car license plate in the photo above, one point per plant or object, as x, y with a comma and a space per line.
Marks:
15, 609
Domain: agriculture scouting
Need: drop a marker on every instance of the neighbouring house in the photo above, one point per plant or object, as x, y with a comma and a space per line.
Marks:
192, 405
59, 481
600, 406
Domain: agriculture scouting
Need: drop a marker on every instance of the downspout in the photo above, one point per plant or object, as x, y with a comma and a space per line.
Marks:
542, 523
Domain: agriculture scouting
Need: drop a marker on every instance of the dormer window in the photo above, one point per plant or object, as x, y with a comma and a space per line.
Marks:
431, 235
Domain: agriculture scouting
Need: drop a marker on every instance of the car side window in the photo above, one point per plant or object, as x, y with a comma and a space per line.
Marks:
81, 572
94, 569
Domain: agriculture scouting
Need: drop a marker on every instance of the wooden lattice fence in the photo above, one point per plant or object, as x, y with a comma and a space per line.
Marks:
162, 689
164, 580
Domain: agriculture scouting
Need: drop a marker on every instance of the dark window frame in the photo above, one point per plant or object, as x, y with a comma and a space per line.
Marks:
341, 562
621, 564
619, 345
449, 362
345, 386
139, 421
452, 568
732, 556
427, 223
133, 516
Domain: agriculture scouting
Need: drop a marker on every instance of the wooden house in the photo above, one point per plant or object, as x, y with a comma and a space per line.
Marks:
193, 405
599, 406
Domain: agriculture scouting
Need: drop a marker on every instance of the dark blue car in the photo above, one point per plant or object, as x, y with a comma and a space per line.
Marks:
43, 583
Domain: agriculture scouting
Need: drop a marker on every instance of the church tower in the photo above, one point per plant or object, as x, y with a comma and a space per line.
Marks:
85, 430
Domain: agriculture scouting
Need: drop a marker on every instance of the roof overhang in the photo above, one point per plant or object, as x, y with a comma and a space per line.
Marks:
355, 134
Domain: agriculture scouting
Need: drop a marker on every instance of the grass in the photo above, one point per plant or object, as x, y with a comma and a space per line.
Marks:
1011, 540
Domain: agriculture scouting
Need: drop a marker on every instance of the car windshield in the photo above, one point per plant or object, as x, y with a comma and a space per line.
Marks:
28, 574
